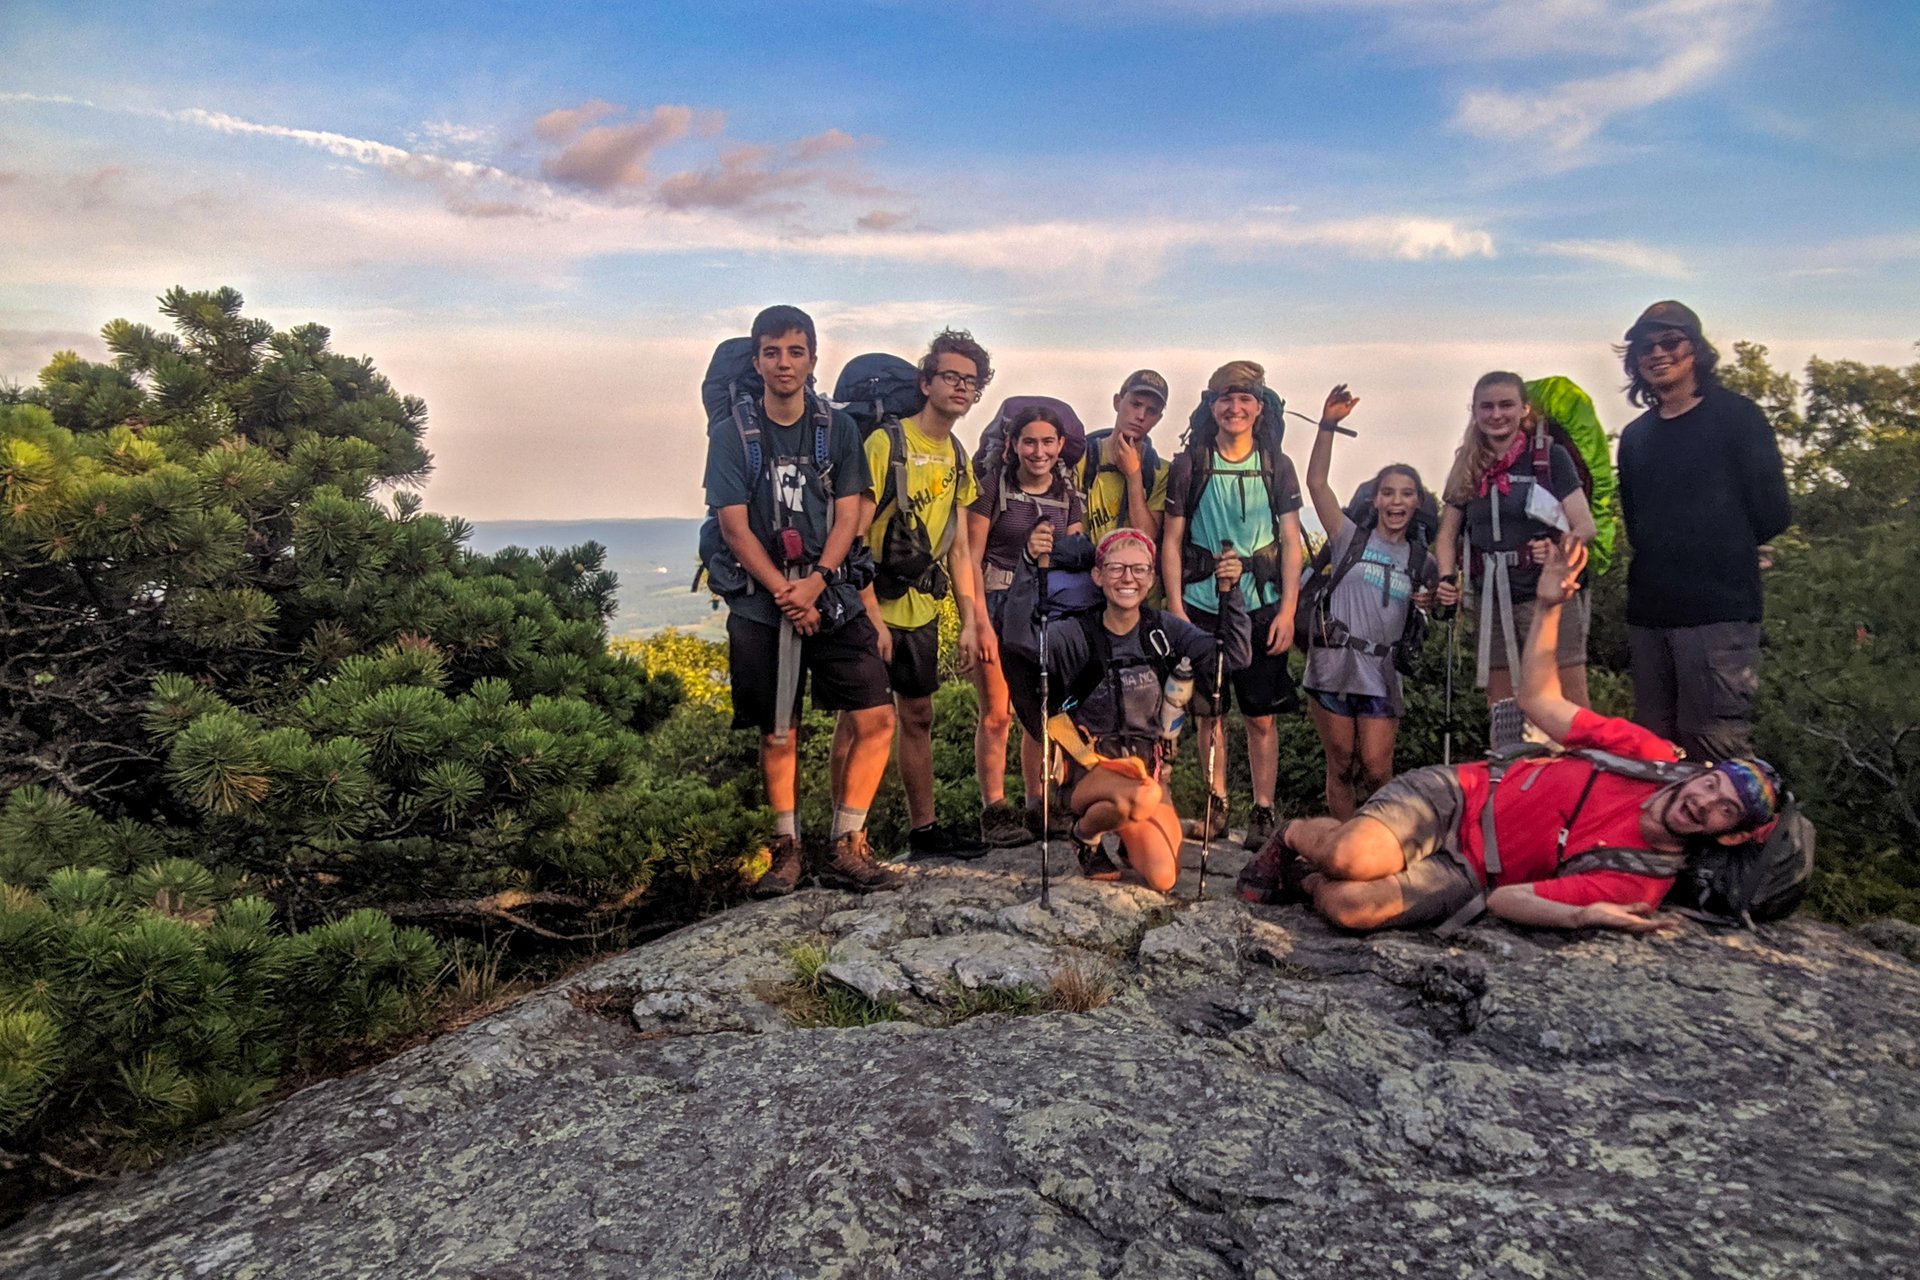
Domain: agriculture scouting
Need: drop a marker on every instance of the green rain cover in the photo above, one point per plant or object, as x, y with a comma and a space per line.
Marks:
1562, 400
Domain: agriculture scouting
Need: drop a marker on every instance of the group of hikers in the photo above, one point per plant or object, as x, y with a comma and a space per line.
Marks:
1105, 594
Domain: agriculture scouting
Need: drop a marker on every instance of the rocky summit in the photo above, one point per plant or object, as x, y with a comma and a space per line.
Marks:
949, 1081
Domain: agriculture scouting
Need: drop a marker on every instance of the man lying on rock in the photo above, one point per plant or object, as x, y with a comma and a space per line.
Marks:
1589, 838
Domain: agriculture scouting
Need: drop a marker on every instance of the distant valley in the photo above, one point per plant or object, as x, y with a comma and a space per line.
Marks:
653, 558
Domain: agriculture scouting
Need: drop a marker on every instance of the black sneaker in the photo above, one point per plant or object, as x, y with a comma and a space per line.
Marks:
941, 841
1260, 826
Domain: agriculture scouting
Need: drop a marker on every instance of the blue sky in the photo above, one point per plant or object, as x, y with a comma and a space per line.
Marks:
542, 217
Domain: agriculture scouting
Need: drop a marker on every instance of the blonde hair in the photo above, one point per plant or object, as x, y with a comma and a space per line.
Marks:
1476, 455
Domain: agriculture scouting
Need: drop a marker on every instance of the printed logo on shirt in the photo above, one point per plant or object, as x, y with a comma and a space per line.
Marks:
1380, 573
790, 485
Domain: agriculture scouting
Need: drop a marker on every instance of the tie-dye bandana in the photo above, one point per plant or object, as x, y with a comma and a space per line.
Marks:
1757, 785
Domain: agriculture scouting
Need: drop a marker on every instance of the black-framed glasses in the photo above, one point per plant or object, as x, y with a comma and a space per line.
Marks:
1120, 570
958, 381
1669, 345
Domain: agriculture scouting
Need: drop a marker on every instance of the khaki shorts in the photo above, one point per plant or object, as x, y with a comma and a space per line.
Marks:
1422, 808
1572, 648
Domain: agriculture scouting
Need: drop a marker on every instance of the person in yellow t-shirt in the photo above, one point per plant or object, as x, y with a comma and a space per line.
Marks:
939, 485
1124, 479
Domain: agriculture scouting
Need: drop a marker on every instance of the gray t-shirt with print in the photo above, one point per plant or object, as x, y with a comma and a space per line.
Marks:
1372, 600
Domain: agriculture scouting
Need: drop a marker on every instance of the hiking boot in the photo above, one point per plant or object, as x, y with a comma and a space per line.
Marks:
1262, 879
1002, 826
1095, 862
938, 841
783, 877
1060, 829
1260, 827
850, 865
1196, 828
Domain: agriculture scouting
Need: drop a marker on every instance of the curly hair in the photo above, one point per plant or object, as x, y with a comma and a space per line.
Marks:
1706, 369
956, 342
1475, 455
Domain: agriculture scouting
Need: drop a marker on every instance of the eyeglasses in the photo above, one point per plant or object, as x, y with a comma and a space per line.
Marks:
1668, 345
1121, 570
958, 381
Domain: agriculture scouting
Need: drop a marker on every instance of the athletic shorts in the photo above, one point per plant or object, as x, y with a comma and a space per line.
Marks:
844, 666
1571, 651
1422, 808
1355, 706
1263, 688
915, 669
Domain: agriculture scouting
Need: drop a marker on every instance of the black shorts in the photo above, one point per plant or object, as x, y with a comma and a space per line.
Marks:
844, 665
1264, 688
915, 669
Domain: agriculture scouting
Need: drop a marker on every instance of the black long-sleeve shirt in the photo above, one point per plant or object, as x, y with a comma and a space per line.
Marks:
1700, 492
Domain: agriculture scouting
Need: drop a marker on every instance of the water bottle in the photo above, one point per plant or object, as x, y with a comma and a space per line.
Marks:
1174, 696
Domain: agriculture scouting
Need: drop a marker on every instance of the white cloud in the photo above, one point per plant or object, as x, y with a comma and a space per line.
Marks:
1630, 254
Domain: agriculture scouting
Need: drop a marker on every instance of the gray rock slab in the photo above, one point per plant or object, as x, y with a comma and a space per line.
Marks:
1262, 1097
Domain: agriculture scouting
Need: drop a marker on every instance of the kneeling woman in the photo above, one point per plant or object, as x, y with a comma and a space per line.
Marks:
1111, 666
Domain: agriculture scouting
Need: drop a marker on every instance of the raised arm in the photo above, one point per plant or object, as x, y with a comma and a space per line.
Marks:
1326, 504
1539, 693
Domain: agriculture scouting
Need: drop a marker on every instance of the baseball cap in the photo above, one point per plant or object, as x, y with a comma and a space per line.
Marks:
1145, 380
1666, 315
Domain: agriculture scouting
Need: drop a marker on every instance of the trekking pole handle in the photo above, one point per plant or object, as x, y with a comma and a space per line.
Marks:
1445, 612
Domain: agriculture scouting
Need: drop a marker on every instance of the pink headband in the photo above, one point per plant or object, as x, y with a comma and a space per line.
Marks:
1119, 536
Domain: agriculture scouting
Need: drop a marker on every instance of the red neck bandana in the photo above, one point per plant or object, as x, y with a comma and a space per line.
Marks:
1496, 476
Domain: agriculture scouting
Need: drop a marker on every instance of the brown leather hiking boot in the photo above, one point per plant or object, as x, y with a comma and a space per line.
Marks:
783, 877
850, 865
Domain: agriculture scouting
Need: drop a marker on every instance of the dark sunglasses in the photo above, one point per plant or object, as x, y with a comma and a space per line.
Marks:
1668, 345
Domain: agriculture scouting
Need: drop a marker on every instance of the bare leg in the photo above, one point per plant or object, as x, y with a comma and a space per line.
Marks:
1336, 740
1356, 904
990, 736
1362, 848
779, 765
1376, 735
1263, 758
843, 735
915, 721
1033, 767
1210, 740
870, 740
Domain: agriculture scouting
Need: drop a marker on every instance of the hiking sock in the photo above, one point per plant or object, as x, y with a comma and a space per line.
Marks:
845, 820
786, 823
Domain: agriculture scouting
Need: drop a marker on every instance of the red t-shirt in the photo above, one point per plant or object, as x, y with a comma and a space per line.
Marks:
1535, 798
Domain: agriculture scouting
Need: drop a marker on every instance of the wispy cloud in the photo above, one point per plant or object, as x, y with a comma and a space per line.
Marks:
1629, 254
1634, 54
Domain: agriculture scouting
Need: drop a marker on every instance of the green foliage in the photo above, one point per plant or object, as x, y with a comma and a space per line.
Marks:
1840, 711
136, 1007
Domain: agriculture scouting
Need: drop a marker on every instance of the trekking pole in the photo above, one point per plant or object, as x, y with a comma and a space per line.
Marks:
1216, 731
1446, 731
1046, 743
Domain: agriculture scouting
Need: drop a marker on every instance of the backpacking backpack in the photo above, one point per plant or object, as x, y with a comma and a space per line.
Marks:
731, 394
1197, 563
1313, 622
1750, 883
878, 391
1098, 462
1566, 417
1102, 671
992, 453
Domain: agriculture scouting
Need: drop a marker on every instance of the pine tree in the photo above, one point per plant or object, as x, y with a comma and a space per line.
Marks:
255, 702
